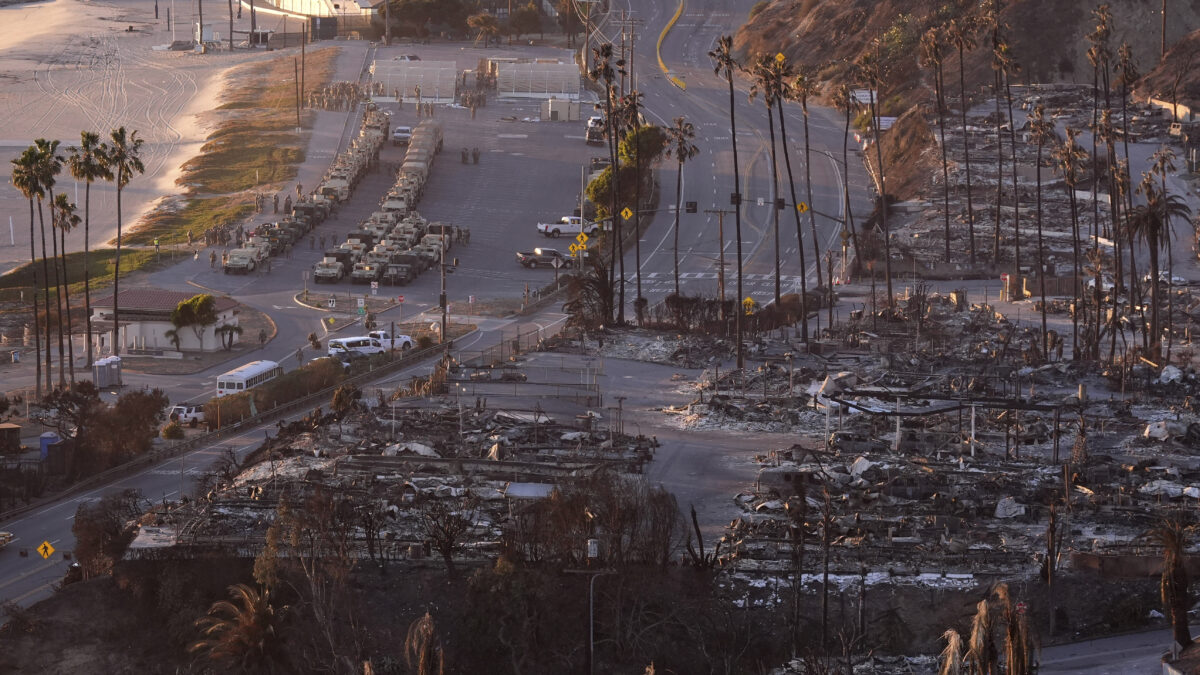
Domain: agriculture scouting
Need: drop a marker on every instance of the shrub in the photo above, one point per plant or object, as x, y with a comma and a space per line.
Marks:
173, 431
424, 342
758, 7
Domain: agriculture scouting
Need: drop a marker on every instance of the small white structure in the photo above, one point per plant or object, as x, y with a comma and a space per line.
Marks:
145, 319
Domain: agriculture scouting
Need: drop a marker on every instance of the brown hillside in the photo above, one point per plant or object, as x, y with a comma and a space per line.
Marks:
1047, 38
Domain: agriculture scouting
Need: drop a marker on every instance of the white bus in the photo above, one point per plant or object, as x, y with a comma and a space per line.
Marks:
250, 375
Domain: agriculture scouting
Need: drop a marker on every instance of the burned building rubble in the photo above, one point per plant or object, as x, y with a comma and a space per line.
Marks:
389, 463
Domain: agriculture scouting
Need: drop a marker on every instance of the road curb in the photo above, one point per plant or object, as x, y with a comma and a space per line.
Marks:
658, 48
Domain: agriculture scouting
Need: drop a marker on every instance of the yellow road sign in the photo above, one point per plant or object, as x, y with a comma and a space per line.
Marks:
626, 213
581, 238
573, 248
780, 57
46, 550
748, 304
802, 207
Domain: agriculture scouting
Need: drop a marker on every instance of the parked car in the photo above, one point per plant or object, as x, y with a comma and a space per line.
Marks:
539, 257
187, 414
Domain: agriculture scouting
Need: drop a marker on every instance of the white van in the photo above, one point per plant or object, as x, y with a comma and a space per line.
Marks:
338, 347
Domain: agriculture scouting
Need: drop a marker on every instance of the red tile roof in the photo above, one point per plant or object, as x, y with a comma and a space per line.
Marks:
156, 300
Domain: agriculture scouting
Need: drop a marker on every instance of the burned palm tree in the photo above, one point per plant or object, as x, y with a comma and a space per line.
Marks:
724, 65
802, 85
1069, 157
1043, 132
1151, 225
870, 68
961, 33
768, 82
932, 43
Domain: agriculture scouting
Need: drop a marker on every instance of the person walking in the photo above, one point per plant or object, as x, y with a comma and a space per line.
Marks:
275, 207
212, 260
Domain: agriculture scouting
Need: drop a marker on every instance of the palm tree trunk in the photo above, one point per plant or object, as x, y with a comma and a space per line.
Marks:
67, 303
37, 331
774, 194
678, 206
940, 98
812, 214
637, 222
1096, 212
1012, 141
737, 220
116, 336
1041, 254
962, 88
999, 168
46, 298
846, 189
1077, 283
1155, 331
787, 162
87, 289
883, 204
58, 293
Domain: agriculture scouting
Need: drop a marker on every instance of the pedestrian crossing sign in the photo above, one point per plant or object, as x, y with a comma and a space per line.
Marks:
802, 207
626, 213
45, 550
581, 238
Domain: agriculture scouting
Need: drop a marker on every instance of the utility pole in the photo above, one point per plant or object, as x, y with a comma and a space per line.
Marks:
303, 41
623, 19
387, 24
721, 260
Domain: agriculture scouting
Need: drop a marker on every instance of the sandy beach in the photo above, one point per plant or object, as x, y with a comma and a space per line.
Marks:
69, 65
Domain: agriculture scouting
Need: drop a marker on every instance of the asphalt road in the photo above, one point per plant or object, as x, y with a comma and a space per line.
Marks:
708, 178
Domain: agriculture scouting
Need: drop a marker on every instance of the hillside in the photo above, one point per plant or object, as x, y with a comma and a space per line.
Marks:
1047, 38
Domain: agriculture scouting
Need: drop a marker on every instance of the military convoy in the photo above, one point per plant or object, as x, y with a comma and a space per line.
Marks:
395, 244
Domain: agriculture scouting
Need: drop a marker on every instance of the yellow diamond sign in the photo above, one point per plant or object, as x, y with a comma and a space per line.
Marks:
626, 213
573, 248
780, 57
46, 550
802, 207
581, 238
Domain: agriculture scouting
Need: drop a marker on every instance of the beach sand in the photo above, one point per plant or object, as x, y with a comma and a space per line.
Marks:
69, 65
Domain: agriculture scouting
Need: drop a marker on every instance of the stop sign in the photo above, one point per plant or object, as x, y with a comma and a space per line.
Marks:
399, 298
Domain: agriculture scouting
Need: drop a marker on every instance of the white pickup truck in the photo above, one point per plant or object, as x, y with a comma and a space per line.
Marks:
401, 342
569, 225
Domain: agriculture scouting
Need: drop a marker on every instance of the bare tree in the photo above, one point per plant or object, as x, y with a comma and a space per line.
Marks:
444, 522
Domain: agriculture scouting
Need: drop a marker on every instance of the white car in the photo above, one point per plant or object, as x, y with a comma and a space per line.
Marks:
595, 121
186, 414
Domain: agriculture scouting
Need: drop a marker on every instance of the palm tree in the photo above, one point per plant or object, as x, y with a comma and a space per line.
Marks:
629, 120
932, 42
423, 648
845, 101
802, 86
123, 159
680, 146
1172, 535
1016, 634
961, 31
991, 19
724, 67
1151, 225
243, 632
87, 163
1164, 163
1010, 67
1043, 132
25, 179
606, 70
870, 68
48, 167
766, 72
65, 220
951, 657
1069, 157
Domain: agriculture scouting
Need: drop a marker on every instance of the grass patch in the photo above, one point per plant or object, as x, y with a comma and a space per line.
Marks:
254, 149
100, 267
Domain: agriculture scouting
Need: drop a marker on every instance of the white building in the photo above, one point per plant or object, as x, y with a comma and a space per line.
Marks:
146, 318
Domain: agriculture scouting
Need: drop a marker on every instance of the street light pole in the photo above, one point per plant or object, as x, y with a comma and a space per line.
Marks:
721, 251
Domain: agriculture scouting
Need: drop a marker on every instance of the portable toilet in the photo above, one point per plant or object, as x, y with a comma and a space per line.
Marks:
45, 441
100, 373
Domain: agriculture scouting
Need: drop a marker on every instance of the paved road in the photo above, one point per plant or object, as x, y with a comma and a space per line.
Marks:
708, 179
